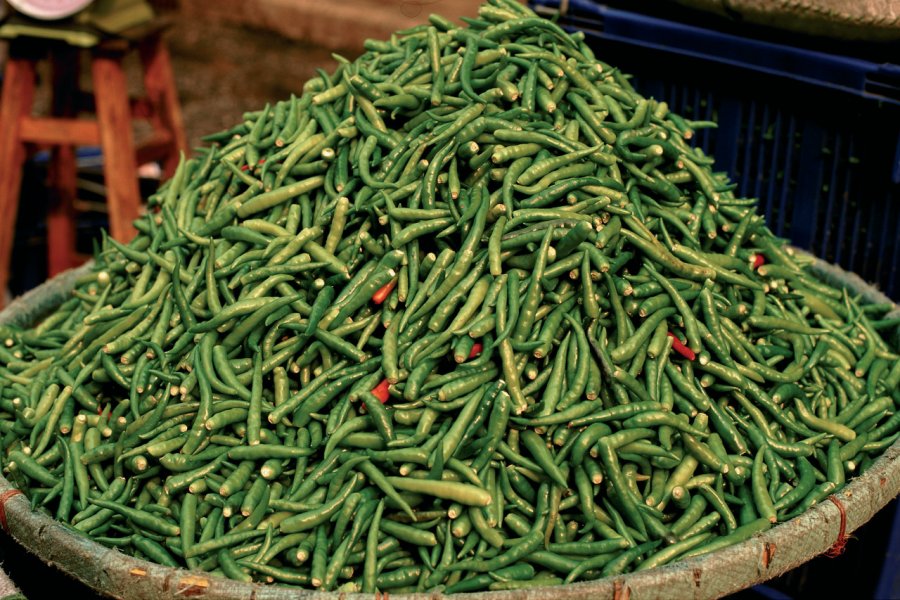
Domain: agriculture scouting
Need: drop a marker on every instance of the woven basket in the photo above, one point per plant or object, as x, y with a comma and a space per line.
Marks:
763, 557
869, 20
8, 589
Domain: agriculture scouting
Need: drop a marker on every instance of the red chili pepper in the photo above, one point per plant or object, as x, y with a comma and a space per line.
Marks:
680, 348
380, 391
247, 167
476, 350
384, 291
758, 261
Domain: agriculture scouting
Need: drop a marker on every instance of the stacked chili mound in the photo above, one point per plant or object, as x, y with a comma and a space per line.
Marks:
469, 313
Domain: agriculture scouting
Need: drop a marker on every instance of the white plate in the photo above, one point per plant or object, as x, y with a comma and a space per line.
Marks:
49, 9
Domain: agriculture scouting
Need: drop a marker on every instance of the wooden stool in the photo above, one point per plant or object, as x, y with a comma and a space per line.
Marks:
108, 125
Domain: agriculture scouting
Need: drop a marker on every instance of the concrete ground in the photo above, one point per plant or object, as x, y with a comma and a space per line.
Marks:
223, 70
335, 24
232, 56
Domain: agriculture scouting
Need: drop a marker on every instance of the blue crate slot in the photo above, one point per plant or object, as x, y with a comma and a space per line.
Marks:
879, 81
766, 592
85, 157
889, 581
809, 134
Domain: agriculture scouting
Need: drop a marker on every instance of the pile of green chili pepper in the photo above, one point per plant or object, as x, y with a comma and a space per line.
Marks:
469, 313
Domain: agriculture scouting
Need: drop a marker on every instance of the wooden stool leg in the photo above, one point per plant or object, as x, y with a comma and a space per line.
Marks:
117, 140
62, 175
18, 95
159, 85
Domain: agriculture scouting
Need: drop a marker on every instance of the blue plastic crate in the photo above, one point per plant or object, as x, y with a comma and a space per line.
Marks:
814, 136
